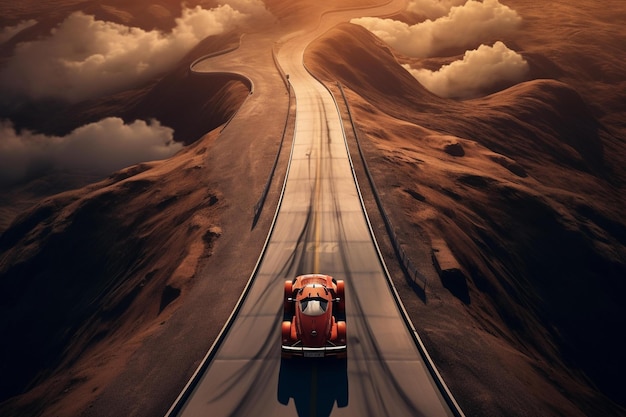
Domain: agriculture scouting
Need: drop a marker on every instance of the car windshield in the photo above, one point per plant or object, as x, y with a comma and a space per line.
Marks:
313, 306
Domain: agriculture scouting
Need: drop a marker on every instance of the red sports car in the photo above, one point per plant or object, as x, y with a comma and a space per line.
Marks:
314, 317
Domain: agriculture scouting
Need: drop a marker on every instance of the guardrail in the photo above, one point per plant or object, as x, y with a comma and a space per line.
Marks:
188, 389
443, 388
409, 268
259, 205
178, 404
245, 80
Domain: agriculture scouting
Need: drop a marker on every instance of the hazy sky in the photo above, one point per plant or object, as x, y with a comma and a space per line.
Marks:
10, 31
433, 9
480, 70
454, 25
98, 148
85, 58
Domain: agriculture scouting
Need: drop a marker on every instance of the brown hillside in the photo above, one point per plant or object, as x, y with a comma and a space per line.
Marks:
105, 287
526, 187
175, 99
92, 277
189, 103
146, 14
89, 266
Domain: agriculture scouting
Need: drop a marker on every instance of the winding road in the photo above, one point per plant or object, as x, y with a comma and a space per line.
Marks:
320, 227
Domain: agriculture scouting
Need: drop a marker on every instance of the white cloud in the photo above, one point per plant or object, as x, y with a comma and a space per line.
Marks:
254, 8
84, 57
98, 148
465, 26
10, 31
433, 9
479, 71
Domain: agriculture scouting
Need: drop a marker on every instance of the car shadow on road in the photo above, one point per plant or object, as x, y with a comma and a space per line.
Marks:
314, 384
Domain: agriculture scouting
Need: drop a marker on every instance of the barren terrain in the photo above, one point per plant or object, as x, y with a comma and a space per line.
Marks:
119, 284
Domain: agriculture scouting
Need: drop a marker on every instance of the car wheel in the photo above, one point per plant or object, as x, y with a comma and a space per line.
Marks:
288, 306
341, 333
341, 306
286, 332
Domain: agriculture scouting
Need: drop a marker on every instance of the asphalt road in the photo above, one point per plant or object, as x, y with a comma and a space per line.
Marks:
320, 228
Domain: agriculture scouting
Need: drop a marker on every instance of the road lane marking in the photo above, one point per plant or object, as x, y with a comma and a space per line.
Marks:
318, 197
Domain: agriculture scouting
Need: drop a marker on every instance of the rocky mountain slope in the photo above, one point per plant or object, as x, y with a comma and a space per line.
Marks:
105, 284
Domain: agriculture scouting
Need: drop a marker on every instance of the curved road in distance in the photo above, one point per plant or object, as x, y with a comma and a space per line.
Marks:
320, 227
